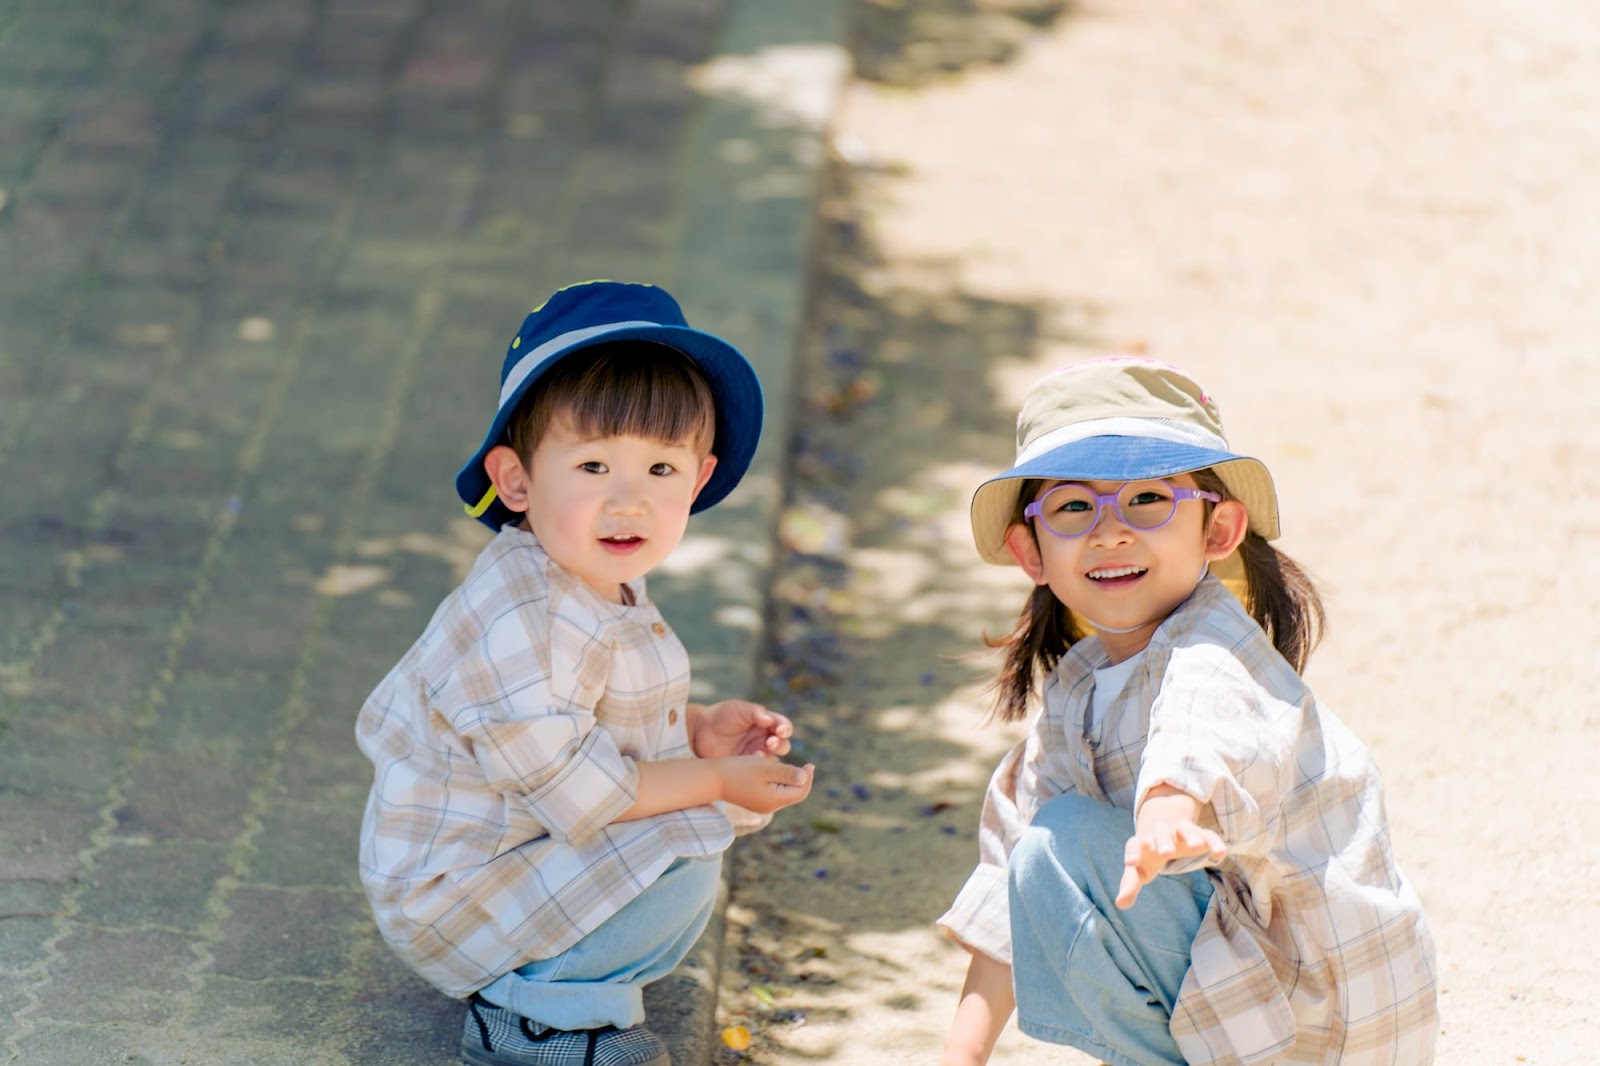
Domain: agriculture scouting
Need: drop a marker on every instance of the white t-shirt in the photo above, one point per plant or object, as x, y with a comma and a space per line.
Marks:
1108, 682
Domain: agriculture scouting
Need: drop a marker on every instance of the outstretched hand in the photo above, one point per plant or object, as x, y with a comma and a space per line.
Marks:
737, 727
1166, 830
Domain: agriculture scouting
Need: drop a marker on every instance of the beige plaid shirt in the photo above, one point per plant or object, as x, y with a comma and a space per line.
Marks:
504, 746
1314, 948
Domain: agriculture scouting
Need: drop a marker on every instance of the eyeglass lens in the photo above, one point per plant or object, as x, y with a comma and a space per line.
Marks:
1072, 510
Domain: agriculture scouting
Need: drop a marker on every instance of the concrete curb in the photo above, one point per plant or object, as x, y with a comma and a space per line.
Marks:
751, 175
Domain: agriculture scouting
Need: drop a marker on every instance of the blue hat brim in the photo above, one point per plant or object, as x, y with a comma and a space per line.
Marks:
1119, 458
735, 390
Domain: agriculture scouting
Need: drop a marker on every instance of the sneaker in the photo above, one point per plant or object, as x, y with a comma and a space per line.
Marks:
493, 1036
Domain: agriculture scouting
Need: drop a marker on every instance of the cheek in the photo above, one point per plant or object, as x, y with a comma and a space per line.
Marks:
1058, 557
677, 496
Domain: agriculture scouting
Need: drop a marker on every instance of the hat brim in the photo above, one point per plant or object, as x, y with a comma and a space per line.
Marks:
735, 392
1114, 458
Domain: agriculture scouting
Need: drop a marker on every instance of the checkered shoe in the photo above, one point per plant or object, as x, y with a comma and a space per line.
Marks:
493, 1036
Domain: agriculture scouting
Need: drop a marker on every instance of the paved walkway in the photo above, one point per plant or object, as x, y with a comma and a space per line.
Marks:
258, 259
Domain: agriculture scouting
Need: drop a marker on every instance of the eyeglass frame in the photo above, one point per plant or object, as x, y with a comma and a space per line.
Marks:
1102, 500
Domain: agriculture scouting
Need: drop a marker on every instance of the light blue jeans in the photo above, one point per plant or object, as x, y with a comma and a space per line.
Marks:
600, 980
1087, 974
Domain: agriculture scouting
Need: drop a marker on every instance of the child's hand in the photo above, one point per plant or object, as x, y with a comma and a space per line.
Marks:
1166, 830
763, 784
737, 727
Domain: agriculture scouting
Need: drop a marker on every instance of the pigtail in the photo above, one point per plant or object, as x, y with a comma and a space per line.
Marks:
1280, 595
1282, 600
1043, 632
1045, 629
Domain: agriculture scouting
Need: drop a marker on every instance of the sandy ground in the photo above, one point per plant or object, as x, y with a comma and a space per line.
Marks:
1370, 228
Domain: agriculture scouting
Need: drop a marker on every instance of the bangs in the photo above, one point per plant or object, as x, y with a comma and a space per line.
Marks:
629, 388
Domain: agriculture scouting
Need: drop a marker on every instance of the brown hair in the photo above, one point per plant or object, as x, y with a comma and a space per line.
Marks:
1280, 596
632, 388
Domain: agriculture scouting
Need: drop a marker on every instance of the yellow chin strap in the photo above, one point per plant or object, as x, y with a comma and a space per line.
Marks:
476, 511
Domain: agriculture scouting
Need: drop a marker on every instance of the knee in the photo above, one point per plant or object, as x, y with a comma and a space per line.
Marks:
1086, 823
1073, 837
699, 879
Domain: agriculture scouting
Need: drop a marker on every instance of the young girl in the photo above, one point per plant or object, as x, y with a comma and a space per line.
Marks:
1187, 860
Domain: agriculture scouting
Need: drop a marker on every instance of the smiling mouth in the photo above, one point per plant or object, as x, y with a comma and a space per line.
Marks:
1115, 573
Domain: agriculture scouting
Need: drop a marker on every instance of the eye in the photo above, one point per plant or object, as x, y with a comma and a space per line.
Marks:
1147, 494
663, 469
1067, 499
593, 466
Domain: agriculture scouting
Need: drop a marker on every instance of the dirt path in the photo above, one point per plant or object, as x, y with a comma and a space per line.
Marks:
1370, 229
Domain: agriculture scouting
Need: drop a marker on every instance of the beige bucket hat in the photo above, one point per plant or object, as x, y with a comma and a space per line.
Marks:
1118, 419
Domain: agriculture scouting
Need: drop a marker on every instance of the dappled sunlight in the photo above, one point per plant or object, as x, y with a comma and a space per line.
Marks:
456, 547
349, 580
699, 553
257, 329
784, 86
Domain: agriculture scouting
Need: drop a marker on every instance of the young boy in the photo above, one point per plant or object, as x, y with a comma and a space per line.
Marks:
543, 836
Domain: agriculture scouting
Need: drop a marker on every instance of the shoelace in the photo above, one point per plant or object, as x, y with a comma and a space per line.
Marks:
547, 1033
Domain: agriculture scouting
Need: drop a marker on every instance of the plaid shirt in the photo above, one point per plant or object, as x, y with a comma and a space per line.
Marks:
1314, 948
504, 745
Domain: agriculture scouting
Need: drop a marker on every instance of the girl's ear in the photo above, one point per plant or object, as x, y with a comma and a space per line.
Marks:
509, 476
1025, 550
1229, 522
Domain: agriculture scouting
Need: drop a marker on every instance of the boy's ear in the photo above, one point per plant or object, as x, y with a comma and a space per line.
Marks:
1229, 523
509, 476
707, 465
1025, 550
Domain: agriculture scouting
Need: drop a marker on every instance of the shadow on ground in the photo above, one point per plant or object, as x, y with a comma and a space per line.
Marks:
907, 43
876, 615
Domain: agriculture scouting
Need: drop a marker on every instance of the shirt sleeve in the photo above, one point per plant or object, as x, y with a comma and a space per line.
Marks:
980, 917
1218, 735
537, 742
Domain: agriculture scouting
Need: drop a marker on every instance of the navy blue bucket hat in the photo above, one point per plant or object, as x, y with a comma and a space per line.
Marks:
600, 312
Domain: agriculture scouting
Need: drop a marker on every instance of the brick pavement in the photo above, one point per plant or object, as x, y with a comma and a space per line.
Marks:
259, 258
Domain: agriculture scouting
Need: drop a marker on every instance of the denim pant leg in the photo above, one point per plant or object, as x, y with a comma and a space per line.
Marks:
600, 980
1087, 974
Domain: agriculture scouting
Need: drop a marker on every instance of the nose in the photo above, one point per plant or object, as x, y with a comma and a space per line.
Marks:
1109, 528
627, 497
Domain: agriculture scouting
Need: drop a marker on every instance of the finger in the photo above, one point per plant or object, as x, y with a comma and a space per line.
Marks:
1195, 840
1134, 852
800, 786
1128, 891
788, 774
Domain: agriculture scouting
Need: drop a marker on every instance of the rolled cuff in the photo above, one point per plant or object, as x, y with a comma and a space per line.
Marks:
590, 792
980, 918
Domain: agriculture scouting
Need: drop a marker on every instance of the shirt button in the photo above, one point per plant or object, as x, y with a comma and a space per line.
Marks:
659, 630
672, 716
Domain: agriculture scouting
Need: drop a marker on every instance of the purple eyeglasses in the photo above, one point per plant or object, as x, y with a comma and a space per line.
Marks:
1071, 510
